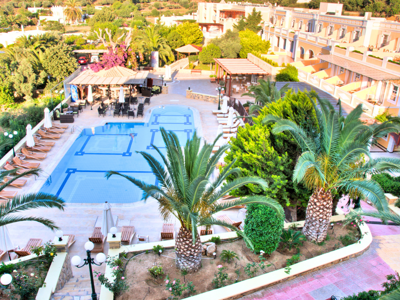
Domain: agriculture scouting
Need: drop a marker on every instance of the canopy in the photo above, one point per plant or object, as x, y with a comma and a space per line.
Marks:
107, 221
47, 119
30, 142
121, 95
116, 75
5, 241
239, 66
187, 49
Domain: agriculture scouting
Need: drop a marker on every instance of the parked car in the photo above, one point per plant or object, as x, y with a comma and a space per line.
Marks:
82, 60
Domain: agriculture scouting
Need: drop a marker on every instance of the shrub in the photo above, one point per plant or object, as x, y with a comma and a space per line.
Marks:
176, 288
156, 249
292, 239
289, 73
263, 228
228, 255
216, 240
388, 183
193, 58
118, 285
156, 271
221, 278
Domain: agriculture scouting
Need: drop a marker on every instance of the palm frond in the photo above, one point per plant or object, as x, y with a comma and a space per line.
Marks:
15, 219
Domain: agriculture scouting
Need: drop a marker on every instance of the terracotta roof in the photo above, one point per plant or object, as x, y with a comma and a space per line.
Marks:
115, 75
359, 68
236, 66
187, 49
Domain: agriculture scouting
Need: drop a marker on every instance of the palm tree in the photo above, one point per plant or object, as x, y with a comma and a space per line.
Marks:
189, 193
335, 160
26, 202
264, 93
151, 40
72, 11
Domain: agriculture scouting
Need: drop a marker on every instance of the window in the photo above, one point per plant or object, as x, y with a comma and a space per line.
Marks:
308, 27
300, 24
293, 23
385, 40
330, 32
342, 33
341, 70
282, 20
394, 94
356, 36
319, 28
358, 77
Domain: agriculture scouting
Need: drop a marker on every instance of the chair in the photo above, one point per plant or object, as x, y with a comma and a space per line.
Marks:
6, 195
75, 110
140, 109
147, 101
24, 164
60, 126
39, 148
127, 234
18, 183
227, 220
125, 112
33, 155
45, 135
203, 231
20, 170
134, 100
32, 243
2, 253
98, 239
131, 113
116, 112
167, 232
54, 130
143, 239
71, 239
43, 143
101, 112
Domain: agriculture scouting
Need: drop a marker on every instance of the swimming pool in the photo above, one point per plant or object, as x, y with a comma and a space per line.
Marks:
79, 176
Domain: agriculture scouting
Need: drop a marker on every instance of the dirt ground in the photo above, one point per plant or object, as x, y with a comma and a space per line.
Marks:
143, 286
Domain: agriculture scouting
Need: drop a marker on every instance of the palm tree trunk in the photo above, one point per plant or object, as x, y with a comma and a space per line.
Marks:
188, 256
318, 216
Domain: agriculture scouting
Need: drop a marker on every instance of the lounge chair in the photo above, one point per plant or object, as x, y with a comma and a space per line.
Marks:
98, 239
54, 130
60, 126
216, 112
43, 143
143, 238
167, 232
19, 183
2, 253
27, 250
71, 240
33, 155
147, 101
127, 234
226, 219
202, 230
45, 135
227, 199
24, 164
20, 170
39, 148
5, 195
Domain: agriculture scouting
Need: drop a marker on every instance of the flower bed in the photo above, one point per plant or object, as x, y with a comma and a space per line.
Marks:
216, 273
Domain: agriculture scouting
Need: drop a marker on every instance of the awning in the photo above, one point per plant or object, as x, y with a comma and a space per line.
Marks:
115, 75
359, 68
236, 66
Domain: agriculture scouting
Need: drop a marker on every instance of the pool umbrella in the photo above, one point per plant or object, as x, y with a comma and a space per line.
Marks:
230, 117
121, 95
30, 142
47, 119
90, 95
5, 241
108, 221
224, 106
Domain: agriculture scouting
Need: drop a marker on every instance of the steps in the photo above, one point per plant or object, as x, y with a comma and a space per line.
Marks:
77, 288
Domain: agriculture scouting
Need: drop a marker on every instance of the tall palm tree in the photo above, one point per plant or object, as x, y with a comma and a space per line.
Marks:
190, 194
26, 202
264, 93
338, 158
151, 40
72, 11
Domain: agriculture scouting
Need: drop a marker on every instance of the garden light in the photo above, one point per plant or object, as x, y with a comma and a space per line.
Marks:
89, 246
6, 279
159, 252
215, 255
113, 231
101, 257
59, 234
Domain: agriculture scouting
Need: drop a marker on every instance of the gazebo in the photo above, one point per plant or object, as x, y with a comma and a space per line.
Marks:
187, 49
115, 76
227, 67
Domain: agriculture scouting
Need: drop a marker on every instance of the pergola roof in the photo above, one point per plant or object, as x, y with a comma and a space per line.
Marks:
116, 75
187, 49
236, 66
359, 68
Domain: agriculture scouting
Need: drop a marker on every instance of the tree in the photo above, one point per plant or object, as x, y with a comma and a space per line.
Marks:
54, 26
59, 61
252, 43
251, 22
208, 54
229, 43
289, 73
335, 159
265, 93
25, 80
102, 16
174, 40
72, 11
188, 192
26, 202
155, 12
190, 33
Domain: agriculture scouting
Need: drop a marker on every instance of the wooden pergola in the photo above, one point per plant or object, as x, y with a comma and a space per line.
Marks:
227, 67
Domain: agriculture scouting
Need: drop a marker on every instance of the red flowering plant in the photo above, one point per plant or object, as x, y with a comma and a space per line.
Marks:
119, 56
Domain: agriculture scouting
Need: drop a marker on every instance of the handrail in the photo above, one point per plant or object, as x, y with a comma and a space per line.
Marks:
21, 143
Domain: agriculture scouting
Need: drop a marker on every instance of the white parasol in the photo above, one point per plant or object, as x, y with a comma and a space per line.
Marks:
121, 95
90, 95
230, 117
30, 142
107, 221
47, 119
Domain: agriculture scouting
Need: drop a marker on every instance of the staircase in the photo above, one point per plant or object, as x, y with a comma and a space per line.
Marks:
77, 288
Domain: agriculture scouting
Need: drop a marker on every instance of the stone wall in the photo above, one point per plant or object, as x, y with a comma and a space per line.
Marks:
66, 273
203, 97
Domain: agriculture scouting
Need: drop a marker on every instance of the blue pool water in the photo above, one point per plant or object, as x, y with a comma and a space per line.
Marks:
79, 177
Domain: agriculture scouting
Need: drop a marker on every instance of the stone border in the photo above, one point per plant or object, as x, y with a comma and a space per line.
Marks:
248, 286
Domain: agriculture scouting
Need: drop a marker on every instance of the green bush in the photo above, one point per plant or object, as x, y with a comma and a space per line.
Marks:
193, 58
388, 183
289, 73
263, 228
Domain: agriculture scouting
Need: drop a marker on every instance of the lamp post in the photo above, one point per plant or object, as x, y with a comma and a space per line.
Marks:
100, 258
5, 279
11, 136
219, 89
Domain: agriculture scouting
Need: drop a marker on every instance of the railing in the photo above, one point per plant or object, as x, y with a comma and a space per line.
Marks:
238, 106
179, 64
21, 143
